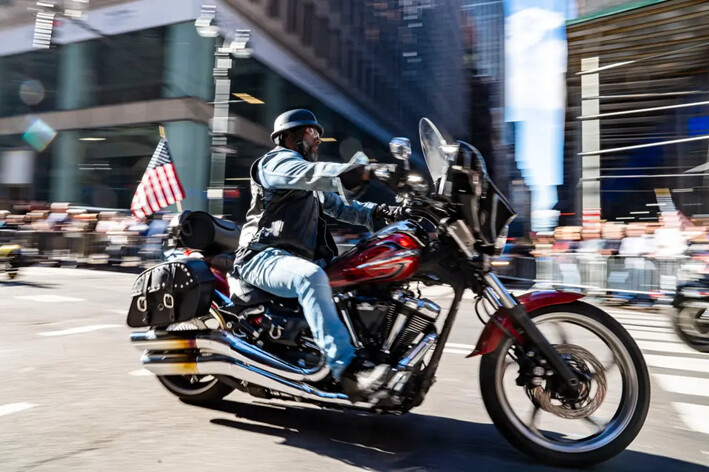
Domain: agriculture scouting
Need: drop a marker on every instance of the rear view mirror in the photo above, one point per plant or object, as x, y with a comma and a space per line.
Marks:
400, 148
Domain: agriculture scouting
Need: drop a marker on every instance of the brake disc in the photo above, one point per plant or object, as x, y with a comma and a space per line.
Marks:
587, 401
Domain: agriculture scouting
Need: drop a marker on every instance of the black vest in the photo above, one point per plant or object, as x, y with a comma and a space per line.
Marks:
287, 219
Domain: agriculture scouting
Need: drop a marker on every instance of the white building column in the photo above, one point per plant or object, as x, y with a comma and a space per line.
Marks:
590, 142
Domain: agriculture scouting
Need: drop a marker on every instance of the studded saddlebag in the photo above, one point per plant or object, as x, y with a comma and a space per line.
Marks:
171, 292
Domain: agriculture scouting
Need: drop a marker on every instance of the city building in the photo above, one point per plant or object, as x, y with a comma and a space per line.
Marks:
484, 34
650, 107
484, 40
368, 69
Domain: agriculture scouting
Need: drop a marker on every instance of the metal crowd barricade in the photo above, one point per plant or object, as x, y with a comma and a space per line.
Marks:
619, 275
78, 247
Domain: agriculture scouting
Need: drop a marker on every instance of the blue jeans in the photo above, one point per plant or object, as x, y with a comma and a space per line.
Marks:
279, 272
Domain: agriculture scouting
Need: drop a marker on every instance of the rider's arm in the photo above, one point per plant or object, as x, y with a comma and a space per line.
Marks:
288, 170
354, 212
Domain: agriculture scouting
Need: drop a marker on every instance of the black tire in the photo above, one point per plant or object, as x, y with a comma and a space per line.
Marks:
179, 385
566, 458
198, 388
697, 341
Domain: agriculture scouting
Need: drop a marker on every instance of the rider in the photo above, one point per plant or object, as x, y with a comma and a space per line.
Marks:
285, 243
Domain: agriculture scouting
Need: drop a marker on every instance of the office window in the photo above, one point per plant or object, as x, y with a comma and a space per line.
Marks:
274, 8
129, 66
331, 44
322, 39
291, 15
308, 24
28, 82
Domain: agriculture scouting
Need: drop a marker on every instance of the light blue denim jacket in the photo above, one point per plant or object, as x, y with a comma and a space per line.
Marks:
283, 177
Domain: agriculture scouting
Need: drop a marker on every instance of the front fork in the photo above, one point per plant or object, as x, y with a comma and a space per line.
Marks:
519, 315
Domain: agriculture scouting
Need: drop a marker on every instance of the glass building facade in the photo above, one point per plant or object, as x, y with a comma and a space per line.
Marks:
105, 96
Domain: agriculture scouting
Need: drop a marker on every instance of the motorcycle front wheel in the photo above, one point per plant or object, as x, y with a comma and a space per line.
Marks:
197, 388
692, 326
527, 402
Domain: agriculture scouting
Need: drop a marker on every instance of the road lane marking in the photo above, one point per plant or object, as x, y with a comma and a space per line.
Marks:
665, 347
49, 298
648, 328
655, 336
683, 385
639, 316
140, 373
15, 408
678, 363
456, 351
464, 346
80, 329
693, 416
437, 291
652, 323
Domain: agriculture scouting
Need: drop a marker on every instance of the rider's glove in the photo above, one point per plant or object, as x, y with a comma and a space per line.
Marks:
390, 174
389, 213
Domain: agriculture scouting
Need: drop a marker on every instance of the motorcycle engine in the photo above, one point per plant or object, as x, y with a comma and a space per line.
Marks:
396, 324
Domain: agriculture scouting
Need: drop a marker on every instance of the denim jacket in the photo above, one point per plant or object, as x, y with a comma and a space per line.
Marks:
289, 197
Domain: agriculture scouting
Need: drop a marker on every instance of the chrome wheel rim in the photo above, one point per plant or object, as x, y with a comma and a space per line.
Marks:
605, 431
689, 319
195, 384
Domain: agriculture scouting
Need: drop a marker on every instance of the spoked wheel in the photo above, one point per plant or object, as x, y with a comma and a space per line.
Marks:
529, 405
197, 388
692, 326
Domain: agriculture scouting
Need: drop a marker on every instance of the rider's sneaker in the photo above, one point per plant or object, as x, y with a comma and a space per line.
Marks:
362, 378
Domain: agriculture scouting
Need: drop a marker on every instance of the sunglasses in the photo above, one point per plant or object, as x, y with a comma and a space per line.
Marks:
313, 132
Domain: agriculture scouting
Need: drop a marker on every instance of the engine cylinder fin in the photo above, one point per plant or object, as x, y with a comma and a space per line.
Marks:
415, 325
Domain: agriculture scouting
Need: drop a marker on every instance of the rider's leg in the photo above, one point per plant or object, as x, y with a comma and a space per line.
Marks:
284, 275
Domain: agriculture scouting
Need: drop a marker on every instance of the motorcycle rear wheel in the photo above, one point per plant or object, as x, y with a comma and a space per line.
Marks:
563, 449
197, 388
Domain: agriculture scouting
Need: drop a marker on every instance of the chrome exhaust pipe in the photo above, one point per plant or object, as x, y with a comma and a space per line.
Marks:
405, 368
228, 355
230, 346
418, 352
191, 364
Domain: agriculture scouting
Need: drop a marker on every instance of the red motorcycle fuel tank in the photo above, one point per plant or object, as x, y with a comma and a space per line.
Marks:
388, 258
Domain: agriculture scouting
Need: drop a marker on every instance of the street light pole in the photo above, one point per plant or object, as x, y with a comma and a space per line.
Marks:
590, 145
223, 62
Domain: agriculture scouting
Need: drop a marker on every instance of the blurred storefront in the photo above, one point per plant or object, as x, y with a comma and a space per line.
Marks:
369, 70
652, 114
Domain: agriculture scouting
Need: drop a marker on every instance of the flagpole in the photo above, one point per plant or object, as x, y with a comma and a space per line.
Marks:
178, 203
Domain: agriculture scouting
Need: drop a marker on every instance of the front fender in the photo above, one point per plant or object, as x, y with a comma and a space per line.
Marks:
492, 333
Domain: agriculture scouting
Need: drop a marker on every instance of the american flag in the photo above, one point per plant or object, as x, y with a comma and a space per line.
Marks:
159, 186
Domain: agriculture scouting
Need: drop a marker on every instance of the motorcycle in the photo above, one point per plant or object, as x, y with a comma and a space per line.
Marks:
561, 379
10, 259
691, 303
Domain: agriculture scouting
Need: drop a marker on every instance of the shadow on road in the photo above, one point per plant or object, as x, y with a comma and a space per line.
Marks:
410, 442
25, 283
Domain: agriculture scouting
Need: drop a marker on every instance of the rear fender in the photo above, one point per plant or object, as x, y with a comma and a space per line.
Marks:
493, 333
220, 282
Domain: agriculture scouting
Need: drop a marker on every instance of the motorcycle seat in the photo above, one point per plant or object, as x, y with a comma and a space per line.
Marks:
245, 294
222, 262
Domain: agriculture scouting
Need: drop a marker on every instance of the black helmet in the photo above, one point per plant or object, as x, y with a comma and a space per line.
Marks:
293, 119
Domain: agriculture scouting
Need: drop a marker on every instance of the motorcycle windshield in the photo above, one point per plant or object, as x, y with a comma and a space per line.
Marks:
435, 149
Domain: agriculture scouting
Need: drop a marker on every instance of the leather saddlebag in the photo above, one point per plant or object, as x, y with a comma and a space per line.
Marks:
171, 292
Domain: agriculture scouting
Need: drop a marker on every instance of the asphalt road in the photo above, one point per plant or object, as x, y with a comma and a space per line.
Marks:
73, 397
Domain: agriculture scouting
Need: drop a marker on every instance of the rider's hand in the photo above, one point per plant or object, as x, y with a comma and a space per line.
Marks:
390, 174
388, 213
